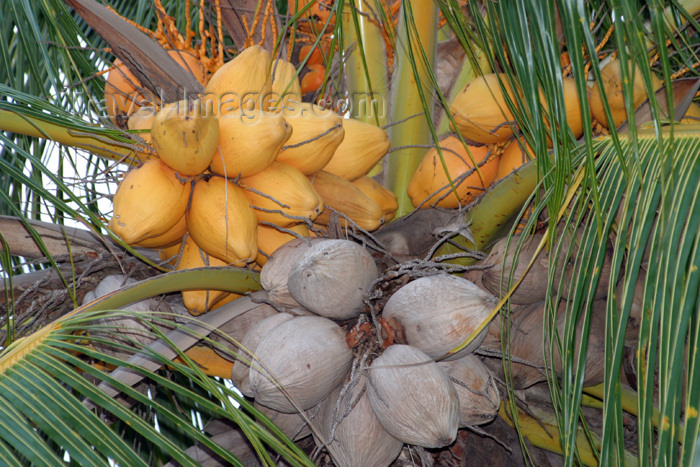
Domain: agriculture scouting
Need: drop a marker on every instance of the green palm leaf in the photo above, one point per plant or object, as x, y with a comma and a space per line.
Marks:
45, 381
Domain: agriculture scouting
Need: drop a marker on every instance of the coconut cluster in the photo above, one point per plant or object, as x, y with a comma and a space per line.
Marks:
488, 150
317, 363
506, 265
243, 169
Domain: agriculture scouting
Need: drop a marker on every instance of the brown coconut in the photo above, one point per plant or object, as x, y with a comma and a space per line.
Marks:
534, 285
241, 368
235, 330
413, 397
275, 272
476, 388
438, 313
352, 430
332, 278
306, 356
564, 287
526, 340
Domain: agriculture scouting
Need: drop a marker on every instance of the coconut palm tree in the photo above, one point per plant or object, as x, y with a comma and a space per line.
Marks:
619, 206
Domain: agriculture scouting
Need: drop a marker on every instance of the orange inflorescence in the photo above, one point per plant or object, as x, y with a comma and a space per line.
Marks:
167, 35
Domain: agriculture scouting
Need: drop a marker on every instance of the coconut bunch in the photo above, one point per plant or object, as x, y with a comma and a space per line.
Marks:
244, 169
371, 398
466, 163
505, 266
453, 176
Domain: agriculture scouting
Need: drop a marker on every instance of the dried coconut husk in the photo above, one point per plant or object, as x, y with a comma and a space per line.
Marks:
413, 397
352, 430
533, 288
332, 278
437, 313
307, 356
125, 330
241, 368
526, 343
275, 273
476, 388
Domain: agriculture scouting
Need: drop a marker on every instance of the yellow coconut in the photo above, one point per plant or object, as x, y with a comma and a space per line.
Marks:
430, 186
170, 254
286, 90
124, 94
363, 146
249, 143
149, 201
185, 137
198, 301
316, 135
282, 195
572, 106
241, 84
221, 221
344, 197
271, 238
384, 197
515, 155
611, 75
172, 236
142, 120
480, 111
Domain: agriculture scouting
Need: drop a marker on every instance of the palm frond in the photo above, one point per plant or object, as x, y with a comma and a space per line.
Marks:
48, 378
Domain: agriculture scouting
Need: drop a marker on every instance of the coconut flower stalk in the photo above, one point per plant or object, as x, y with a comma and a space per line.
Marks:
366, 63
411, 96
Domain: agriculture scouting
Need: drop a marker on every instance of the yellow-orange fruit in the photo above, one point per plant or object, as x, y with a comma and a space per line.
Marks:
480, 110
172, 236
185, 137
249, 143
316, 135
198, 301
611, 75
692, 115
270, 238
515, 155
123, 95
286, 90
206, 358
344, 197
281, 187
430, 186
228, 298
312, 79
572, 105
385, 198
142, 119
314, 18
221, 221
149, 201
171, 254
241, 84
317, 55
363, 146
